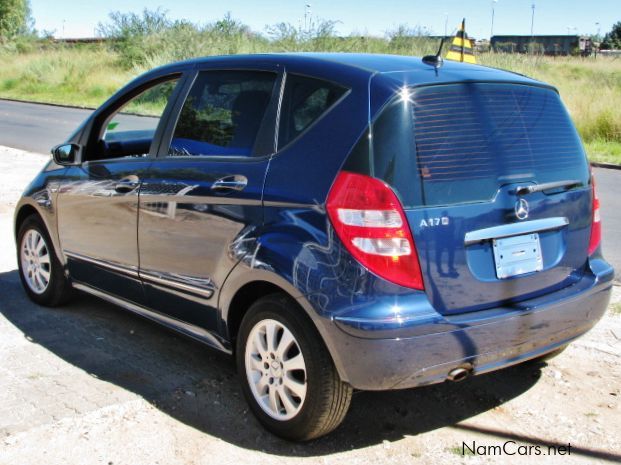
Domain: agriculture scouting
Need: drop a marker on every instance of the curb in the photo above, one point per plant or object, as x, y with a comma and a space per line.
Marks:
75, 107
610, 166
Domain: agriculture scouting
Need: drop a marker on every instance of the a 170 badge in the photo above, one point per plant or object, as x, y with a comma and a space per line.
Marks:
429, 222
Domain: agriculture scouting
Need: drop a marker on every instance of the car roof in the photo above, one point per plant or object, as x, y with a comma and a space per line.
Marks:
418, 73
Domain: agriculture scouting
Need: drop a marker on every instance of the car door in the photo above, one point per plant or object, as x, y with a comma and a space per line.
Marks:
202, 195
98, 202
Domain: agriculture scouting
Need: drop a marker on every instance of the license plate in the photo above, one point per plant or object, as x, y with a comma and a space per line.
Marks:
517, 255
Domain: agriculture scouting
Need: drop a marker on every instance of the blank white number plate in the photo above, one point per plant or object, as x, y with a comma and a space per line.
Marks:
517, 255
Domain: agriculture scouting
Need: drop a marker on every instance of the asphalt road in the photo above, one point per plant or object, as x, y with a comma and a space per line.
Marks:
37, 128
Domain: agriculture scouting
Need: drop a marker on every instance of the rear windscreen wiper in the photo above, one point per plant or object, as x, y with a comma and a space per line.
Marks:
529, 189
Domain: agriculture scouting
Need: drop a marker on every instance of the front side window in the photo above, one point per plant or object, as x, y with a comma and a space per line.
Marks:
305, 100
223, 114
129, 130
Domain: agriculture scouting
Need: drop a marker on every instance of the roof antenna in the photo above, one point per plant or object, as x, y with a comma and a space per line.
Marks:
435, 60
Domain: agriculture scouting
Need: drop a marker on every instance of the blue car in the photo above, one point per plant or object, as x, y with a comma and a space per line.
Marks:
332, 221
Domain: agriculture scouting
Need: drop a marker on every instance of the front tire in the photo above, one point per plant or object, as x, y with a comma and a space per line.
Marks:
40, 272
287, 374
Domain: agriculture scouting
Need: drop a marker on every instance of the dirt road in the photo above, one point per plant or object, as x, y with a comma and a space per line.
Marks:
91, 384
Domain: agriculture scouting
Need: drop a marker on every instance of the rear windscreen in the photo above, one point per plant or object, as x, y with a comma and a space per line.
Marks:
459, 143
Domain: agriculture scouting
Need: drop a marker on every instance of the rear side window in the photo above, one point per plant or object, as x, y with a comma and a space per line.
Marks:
305, 100
223, 113
459, 143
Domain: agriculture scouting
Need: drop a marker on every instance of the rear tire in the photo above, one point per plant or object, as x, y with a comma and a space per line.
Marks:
40, 272
290, 383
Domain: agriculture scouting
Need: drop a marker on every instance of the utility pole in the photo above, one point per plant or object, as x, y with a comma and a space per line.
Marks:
491, 34
532, 22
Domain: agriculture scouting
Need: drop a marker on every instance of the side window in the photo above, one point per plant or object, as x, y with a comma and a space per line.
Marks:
304, 101
223, 113
129, 130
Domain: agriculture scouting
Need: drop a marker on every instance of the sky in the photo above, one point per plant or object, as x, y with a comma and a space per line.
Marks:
70, 18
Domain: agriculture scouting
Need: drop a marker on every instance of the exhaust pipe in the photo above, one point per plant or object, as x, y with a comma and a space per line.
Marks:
458, 374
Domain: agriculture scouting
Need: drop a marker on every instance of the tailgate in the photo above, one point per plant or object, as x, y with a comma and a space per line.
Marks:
461, 157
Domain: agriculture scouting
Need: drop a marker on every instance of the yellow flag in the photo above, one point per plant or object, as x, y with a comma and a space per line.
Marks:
462, 48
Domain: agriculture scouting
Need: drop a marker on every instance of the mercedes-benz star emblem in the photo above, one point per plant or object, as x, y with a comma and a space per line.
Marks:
521, 209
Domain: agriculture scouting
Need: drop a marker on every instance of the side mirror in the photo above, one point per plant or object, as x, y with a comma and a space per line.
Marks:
65, 154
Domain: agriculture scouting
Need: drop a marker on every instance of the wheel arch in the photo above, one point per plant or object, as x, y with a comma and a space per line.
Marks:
24, 212
25, 208
241, 302
245, 285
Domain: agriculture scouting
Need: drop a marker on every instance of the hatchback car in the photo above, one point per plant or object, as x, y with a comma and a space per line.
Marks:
334, 221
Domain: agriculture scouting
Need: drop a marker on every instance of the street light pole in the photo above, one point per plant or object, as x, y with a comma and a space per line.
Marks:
307, 17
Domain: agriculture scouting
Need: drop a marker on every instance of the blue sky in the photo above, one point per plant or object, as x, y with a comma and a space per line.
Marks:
79, 18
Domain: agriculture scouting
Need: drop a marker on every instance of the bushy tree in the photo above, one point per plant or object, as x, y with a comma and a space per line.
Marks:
132, 33
151, 38
15, 18
613, 38
320, 35
125, 25
407, 40
228, 26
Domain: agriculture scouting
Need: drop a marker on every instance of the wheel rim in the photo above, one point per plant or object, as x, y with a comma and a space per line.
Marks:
275, 369
35, 260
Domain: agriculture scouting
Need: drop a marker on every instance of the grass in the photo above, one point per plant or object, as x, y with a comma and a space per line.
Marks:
604, 151
88, 75
80, 76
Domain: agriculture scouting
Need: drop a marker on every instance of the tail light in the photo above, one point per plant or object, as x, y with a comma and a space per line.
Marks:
369, 219
596, 224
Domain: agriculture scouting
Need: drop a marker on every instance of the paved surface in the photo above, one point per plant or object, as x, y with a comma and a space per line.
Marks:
89, 383
37, 128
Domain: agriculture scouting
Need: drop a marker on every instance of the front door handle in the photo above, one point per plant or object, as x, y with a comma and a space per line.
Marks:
127, 184
235, 182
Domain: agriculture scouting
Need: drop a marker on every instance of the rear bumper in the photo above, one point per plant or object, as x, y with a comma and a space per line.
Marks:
414, 345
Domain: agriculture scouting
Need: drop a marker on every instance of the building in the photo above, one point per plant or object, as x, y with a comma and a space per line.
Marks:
543, 44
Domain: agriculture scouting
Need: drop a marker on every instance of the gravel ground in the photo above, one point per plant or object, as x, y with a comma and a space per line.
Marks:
91, 384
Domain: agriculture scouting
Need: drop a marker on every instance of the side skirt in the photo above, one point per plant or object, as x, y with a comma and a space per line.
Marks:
195, 332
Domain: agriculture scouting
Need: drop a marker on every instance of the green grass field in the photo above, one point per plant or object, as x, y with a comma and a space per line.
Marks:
87, 75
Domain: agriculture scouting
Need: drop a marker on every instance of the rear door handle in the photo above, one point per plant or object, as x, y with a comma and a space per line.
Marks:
235, 182
127, 184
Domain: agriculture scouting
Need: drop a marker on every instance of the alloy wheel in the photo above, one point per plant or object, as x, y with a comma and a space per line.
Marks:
35, 258
276, 369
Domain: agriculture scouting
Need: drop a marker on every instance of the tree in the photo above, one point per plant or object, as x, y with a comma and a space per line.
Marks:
123, 26
228, 26
613, 38
15, 18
